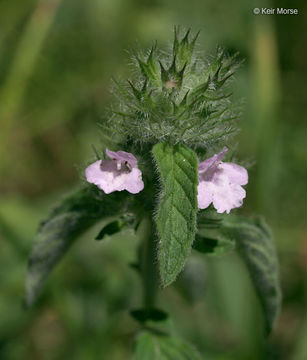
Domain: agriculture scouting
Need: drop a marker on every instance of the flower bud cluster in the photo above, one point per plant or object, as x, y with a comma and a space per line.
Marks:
177, 97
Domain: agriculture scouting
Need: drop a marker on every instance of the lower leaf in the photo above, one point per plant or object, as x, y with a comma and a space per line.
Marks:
256, 246
65, 223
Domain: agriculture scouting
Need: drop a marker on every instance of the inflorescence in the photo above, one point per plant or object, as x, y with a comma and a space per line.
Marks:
177, 97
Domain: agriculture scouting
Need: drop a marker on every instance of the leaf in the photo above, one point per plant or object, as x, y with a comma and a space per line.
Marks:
209, 219
211, 238
111, 228
162, 347
146, 348
65, 223
256, 246
213, 244
176, 215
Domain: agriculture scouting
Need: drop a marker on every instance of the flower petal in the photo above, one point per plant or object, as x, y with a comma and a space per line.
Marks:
228, 197
122, 156
205, 194
102, 174
134, 183
220, 183
212, 162
236, 174
110, 176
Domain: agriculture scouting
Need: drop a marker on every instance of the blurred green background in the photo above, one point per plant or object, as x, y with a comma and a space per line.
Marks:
57, 58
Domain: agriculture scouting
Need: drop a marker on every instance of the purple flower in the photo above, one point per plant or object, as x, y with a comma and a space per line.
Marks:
220, 183
119, 173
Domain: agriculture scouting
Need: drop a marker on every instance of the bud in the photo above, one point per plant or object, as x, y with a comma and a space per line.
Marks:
150, 68
172, 78
183, 49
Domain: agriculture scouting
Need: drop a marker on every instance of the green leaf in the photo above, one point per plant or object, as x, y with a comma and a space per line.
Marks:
162, 347
256, 246
176, 216
65, 223
213, 244
211, 238
111, 228
146, 347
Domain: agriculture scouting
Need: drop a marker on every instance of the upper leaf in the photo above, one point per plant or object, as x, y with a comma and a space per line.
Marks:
65, 223
163, 347
176, 216
256, 246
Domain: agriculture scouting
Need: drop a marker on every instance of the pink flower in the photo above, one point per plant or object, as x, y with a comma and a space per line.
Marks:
220, 183
119, 173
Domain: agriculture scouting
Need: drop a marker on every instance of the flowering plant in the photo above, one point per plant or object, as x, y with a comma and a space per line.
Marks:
167, 133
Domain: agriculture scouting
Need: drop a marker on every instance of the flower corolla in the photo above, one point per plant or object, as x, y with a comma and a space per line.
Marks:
119, 173
221, 183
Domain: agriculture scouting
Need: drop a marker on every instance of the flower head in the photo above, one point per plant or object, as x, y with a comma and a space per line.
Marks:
119, 173
220, 183
177, 96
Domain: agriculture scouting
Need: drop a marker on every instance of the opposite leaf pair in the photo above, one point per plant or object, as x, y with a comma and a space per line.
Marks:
219, 183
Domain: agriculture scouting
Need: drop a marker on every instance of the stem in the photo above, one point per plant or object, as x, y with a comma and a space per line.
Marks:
148, 267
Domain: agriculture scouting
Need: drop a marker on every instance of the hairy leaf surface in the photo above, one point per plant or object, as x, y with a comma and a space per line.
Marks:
176, 216
256, 246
